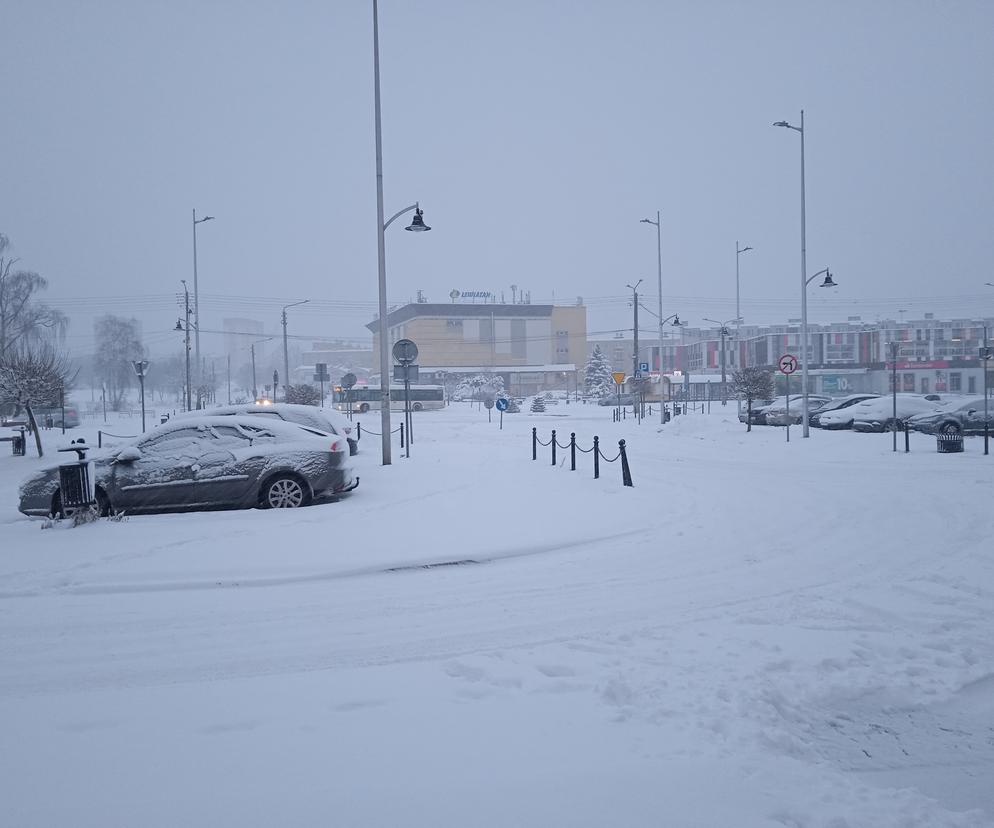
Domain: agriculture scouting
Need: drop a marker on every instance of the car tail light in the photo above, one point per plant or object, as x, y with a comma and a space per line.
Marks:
336, 446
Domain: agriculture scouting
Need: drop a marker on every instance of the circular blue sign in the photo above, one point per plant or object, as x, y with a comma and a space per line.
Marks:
502, 404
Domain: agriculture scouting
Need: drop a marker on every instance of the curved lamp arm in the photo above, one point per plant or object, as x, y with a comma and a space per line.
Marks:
397, 215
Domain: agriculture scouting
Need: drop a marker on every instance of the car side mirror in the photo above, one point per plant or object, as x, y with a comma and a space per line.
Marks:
128, 455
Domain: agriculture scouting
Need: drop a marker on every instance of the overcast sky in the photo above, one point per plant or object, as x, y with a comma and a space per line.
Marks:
534, 133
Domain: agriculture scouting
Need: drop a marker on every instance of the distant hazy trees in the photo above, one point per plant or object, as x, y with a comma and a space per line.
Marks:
118, 346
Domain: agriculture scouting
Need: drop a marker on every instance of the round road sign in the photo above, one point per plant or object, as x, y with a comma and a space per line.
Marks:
787, 364
405, 351
502, 404
488, 404
348, 380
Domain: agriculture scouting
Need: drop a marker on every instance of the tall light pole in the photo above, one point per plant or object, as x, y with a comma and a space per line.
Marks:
659, 263
196, 290
738, 311
417, 224
804, 283
286, 357
722, 332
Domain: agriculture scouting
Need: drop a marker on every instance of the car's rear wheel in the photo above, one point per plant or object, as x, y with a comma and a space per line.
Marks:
285, 492
892, 425
364, 408
417, 406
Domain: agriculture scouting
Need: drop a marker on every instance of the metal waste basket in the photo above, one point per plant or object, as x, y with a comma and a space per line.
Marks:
948, 443
17, 444
75, 484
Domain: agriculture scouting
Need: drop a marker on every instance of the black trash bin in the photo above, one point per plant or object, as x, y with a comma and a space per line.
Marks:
948, 443
17, 444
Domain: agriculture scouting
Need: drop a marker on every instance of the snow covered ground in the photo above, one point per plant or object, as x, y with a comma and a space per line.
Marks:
757, 634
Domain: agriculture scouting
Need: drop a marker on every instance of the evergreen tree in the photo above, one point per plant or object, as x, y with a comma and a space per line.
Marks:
597, 375
538, 405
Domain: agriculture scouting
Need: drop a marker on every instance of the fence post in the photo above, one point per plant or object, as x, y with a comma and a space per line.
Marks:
553, 447
100, 439
402, 435
597, 457
534, 443
358, 432
907, 438
626, 473
572, 451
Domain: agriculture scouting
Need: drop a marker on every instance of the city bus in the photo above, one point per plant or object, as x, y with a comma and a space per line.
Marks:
365, 398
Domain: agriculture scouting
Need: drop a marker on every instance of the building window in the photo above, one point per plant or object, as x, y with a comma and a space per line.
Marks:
454, 323
955, 382
971, 385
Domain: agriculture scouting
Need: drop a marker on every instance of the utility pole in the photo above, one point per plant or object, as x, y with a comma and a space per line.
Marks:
229, 379
255, 387
286, 357
659, 264
635, 307
186, 302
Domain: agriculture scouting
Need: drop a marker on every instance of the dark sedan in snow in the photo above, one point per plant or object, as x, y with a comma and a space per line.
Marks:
207, 463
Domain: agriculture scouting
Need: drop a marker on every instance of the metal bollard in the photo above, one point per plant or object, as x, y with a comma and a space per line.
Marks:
402, 435
534, 444
907, 438
358, 432
626, 473
597, 457
572, 451
553, 447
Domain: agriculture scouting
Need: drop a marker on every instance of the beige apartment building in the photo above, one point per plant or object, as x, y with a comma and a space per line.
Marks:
535, 347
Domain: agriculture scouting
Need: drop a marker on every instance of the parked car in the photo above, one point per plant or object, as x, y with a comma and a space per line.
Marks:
612, 399
956, 417
323, 419
839, 404
878, 414
52, 417
777, 415
233, 461
756, 406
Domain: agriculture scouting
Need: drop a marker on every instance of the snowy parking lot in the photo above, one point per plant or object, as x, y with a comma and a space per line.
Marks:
758, 633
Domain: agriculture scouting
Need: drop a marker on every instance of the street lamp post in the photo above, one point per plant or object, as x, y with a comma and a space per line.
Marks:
286, 357
140, 366
722, 332
804, 283
416, 225
828, 282
196, 290
738, 311
659, 262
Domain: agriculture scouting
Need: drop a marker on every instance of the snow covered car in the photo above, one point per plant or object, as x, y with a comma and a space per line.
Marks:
776, 414
323, 419
815, 420
955, 418
756, 406
878, 415
234, 461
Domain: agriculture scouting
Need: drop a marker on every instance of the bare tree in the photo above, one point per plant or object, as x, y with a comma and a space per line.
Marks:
23, 319
752, 384
32, 376
118, 346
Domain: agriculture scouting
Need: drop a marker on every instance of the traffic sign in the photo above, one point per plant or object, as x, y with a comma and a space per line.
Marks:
488, 404
619, 377
405, 351
643, 366
787, 364
349, 380
501, 404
